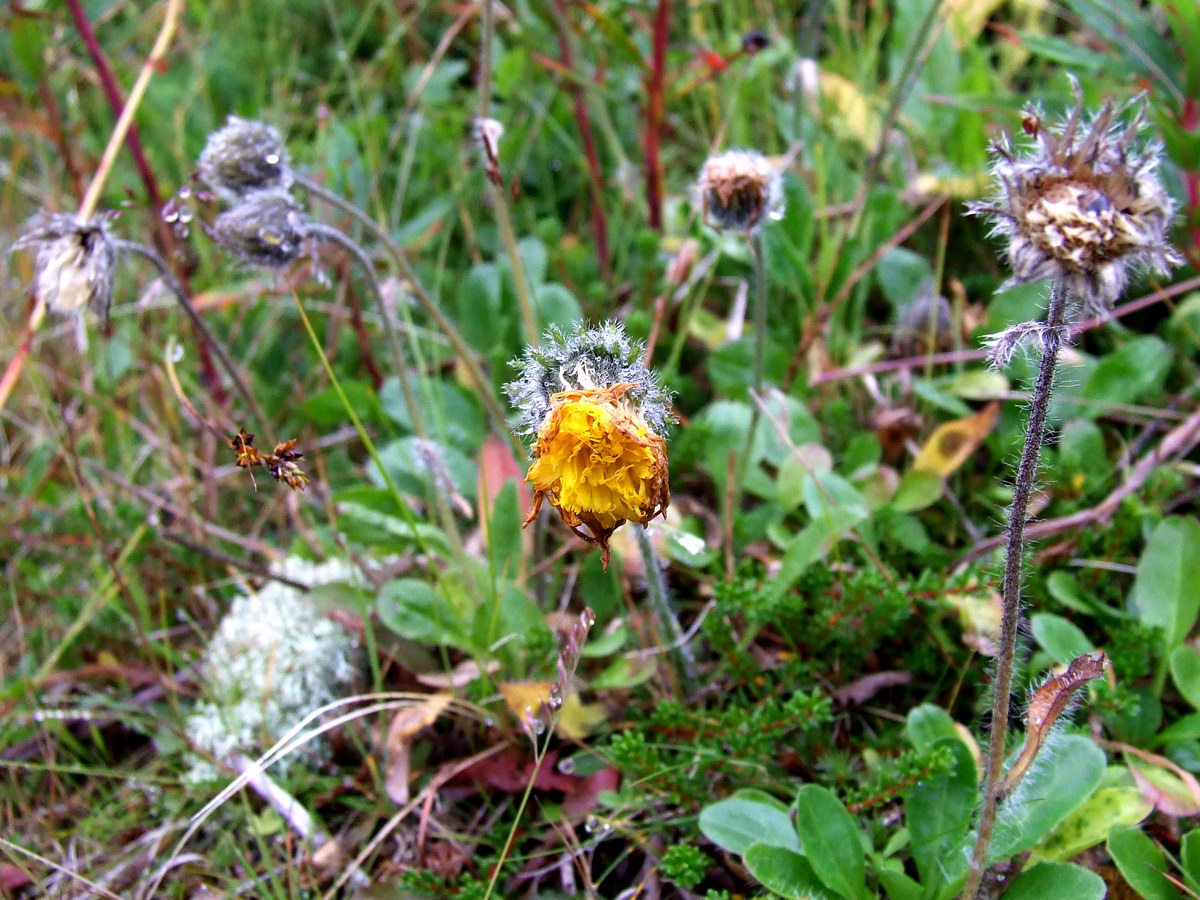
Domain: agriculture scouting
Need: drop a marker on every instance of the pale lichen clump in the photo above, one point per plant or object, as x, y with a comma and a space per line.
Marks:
599, 415
739, 189
1082, 205
273, 660
74, 262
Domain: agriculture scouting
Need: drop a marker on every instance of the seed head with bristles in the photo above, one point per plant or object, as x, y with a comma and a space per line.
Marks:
1082, 204
243, 157
739, 189
266, 228
74, 261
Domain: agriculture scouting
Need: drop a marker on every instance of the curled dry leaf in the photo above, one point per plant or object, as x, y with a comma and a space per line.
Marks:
405, 725
1048, 703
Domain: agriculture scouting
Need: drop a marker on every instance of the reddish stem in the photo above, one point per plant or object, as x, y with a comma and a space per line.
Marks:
364, 339
164, 238
654, 113
599, 225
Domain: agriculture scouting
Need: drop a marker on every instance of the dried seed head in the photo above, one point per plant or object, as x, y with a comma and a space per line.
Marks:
266, 228
924, 325
598, 413
244, 157
584, 359
74, 261
738, 189
1082, 204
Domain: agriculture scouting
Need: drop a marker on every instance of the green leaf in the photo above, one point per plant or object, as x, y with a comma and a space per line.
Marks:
557, 306
1066, 772
504, 534
370, 527
513, 612
1189, 856
414, 610
1051, 879
1185, 672
1142, 863
1091, 823
926, 725
1165, 592
449, 412
898, 885
744, 819
1062, 639
831, 840
785, 872
1131, 372
917, 490
938, 812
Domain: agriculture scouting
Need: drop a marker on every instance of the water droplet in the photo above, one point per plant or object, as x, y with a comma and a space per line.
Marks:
185, 215
555, 701
592, 825
567, 766
170, 214
272, 159
489, 723
588, 618
177, 355
185, 193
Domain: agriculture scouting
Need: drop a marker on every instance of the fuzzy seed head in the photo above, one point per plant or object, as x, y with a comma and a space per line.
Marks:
1082, 204
585, 359
738, 190
266, 228
244, 157
74, 261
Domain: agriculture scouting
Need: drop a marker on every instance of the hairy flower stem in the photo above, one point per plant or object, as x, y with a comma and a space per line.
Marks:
758, 363
1011, 588
466, 355
172, 284
660, 601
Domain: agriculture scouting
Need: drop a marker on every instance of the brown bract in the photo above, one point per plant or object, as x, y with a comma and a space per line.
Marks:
737, 189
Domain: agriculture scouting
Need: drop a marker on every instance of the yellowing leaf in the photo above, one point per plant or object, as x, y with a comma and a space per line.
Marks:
980, 617
576, 719
952, 444
526, 698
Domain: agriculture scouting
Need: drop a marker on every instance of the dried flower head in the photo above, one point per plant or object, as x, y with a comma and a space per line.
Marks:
244, 157
598, 414
282, 464
74, 261
738, 189
1082, 205
266, 228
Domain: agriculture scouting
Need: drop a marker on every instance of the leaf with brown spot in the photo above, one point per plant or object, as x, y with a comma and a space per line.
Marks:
952, 443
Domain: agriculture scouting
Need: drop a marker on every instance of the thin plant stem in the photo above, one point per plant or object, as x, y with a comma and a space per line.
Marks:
529, 320
176, 289
660, 601
467, 356
1011, 587
92, 196
369, 444
758, 362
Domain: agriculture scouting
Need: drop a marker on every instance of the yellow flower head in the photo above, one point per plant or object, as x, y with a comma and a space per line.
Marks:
598, 463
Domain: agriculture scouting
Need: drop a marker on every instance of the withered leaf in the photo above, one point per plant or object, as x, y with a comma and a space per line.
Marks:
1047, 705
